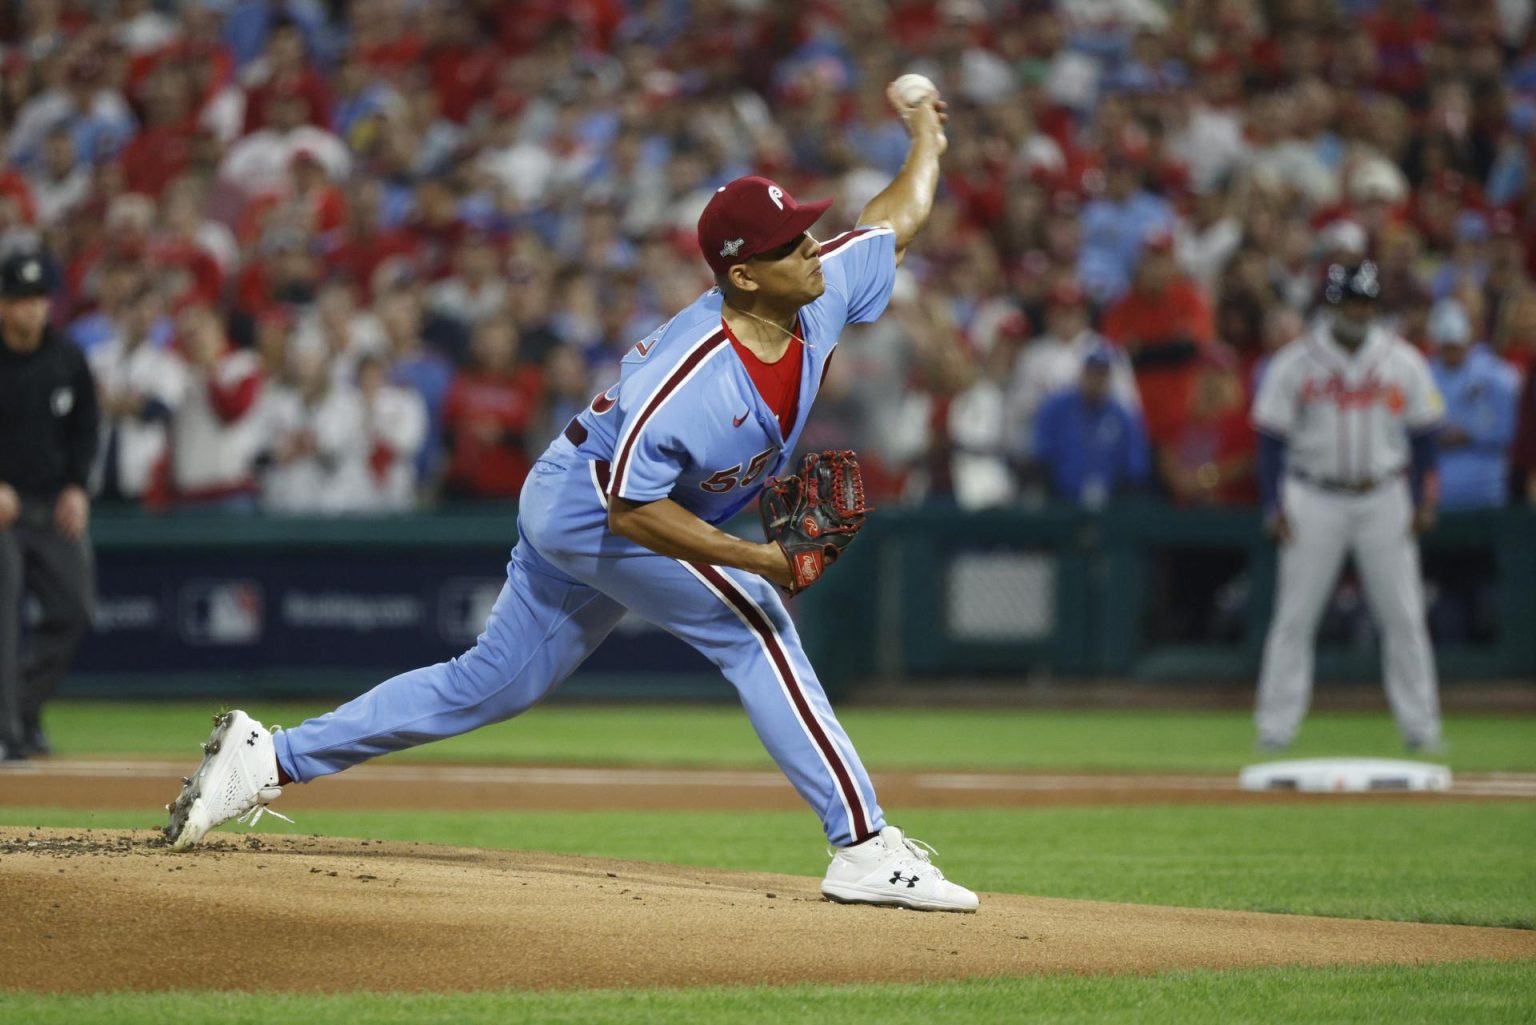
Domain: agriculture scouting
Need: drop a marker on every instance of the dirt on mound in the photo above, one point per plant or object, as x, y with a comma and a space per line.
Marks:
103, 910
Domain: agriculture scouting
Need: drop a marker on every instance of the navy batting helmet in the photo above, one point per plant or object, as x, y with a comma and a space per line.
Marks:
1351, 281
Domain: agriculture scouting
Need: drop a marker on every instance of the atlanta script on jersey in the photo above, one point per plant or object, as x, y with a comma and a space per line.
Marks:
1346, 418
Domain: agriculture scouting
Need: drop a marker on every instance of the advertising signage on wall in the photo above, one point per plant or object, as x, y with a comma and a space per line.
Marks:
163, 611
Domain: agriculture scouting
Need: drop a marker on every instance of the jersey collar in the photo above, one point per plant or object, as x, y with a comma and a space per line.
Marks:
767, 418
1374, 338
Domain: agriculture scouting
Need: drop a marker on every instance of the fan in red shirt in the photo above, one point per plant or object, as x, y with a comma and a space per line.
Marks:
14, 186
365, 243
163, 147
388, 39
288, 270
1210, 459
1165, 323
185, 268
435, 230
1404, 33
288, 72
558, 24
487, 415
311, 201
462, 65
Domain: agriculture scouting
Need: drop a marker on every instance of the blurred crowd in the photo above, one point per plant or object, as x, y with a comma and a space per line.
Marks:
357, 256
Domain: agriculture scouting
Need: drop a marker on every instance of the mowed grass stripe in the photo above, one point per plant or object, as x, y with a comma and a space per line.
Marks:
1466, 864
894, 739
1487, 993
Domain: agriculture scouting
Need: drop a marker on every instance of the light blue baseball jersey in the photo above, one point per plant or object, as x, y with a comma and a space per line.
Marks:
685, 422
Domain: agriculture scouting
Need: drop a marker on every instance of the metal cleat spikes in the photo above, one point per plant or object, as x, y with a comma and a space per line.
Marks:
186, 781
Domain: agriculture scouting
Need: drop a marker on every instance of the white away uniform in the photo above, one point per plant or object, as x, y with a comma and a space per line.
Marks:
1346, 421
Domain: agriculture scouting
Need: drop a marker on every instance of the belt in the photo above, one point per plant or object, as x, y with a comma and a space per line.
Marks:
1358, 486
575, 433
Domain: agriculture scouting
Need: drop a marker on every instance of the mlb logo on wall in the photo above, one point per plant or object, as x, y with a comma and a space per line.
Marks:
221, 612
463, 605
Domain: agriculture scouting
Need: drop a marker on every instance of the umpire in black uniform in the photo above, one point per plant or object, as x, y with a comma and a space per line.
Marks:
48, 432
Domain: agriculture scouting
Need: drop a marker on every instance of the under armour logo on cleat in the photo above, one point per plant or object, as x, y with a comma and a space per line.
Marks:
911, 881
251, 741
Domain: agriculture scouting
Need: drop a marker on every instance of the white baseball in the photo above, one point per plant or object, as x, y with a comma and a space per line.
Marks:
912, 89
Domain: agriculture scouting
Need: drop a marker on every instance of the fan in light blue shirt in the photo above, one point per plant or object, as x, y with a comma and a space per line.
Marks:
1481, 396
1115, 226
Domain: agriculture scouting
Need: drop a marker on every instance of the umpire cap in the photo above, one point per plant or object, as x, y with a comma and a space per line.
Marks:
1352, 281
23, 276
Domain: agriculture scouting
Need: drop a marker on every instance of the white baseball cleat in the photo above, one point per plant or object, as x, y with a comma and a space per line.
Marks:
237, 780
893, 870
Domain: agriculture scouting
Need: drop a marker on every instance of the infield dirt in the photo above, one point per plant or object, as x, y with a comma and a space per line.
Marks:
104, 910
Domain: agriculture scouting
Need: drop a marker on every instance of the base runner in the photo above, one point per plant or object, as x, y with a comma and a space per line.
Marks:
1348, 415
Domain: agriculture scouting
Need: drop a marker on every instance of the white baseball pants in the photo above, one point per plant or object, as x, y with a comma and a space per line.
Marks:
1376, 527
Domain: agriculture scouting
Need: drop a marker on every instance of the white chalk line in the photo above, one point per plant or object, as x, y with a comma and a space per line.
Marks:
1502, 784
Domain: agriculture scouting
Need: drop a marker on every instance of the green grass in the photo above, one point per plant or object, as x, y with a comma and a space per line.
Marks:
1454, 862
1481, 992
996, 739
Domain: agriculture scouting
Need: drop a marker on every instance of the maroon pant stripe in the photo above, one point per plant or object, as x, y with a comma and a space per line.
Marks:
760, 625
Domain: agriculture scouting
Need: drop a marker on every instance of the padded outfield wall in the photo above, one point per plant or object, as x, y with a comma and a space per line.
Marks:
266, 606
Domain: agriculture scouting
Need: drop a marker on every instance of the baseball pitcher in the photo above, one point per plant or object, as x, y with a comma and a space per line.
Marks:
622, 512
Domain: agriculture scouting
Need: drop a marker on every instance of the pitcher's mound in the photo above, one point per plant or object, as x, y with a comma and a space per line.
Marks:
101, 910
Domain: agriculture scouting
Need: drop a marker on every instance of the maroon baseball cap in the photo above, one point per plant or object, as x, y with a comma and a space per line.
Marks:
749, 216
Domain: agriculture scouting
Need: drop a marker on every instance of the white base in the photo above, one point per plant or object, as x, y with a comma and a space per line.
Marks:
1345, 775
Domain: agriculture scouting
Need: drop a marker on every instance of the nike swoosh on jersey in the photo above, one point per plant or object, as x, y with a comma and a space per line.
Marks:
737, 421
